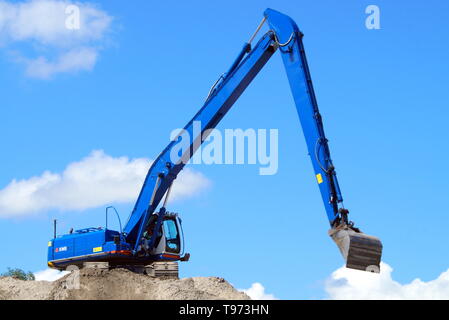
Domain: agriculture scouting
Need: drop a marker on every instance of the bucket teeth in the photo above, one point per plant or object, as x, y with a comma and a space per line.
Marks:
360, 251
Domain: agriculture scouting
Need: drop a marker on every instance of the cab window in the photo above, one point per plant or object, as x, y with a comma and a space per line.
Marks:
172, 239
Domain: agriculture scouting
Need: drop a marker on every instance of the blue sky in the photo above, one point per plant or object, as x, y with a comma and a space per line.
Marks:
383, 95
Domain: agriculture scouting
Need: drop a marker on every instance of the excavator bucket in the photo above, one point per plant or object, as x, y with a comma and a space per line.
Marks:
360, 251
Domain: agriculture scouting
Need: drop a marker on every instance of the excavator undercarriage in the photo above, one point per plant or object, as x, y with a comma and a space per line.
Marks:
157, 269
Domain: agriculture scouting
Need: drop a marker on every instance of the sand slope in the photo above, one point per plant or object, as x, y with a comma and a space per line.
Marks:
118, 284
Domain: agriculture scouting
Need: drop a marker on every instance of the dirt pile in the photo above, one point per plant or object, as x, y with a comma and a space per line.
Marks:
11, 289
94, 284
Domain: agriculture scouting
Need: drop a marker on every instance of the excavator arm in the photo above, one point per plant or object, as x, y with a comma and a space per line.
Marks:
359, 250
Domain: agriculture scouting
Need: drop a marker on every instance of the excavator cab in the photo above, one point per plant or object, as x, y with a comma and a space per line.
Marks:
168, 247
360, 251
168, 244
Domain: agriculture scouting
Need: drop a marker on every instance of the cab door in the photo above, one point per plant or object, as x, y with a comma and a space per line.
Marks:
172, 230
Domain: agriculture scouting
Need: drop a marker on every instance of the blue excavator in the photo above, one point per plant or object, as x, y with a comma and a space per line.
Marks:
152, 239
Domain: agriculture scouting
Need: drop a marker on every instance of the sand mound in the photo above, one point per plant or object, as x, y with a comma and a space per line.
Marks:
12, 289
119, 284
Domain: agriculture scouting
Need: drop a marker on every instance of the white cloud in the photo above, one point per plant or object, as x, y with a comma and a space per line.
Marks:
257, 292
49, 275
75, 60
47, 25
353, 284
96, 180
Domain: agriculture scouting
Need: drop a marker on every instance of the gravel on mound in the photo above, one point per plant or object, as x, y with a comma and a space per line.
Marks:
120, 284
